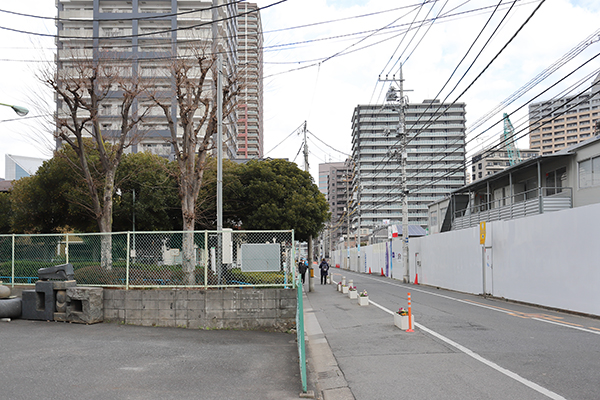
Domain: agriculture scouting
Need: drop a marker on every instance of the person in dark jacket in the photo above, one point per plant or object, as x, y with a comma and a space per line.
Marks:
324, 267
302, 267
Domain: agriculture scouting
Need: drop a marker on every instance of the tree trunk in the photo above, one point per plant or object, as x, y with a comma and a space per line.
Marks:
188, 258
105, 242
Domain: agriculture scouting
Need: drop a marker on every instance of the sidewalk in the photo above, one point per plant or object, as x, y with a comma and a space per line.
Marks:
322, 366
356, 352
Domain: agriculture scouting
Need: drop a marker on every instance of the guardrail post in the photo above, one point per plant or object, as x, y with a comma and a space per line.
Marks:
205, 259
127, 262
12, 277
67, 248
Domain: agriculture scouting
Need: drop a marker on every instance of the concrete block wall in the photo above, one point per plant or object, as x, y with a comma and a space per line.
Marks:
208, 309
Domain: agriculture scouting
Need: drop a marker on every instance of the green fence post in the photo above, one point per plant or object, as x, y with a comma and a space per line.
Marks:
205, 259
12, 277
293, 260
127, 263
300, 335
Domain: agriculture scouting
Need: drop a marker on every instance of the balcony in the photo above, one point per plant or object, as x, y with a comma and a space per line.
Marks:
532, 202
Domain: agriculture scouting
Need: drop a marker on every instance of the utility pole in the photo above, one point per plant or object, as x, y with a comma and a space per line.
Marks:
311, 272
347, 222
330, 235
403, 134
219, 143
219, 98
358, 209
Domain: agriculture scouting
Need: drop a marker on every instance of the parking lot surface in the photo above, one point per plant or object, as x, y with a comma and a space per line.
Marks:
54, 360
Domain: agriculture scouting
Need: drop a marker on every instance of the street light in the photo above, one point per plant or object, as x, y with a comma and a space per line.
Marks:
21, 111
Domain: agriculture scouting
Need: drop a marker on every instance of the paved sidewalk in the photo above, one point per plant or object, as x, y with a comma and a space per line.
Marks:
348, 344
324, 373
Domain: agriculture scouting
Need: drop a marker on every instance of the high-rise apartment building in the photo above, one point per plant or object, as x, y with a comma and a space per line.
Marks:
435, 160
250, 70
560, 123
142, 38
335, 183
490, 161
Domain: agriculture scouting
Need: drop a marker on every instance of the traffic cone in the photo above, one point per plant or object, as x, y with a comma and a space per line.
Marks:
382, 274
369, 270
416, 279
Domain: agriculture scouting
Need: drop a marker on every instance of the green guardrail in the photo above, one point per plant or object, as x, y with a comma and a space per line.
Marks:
300, 335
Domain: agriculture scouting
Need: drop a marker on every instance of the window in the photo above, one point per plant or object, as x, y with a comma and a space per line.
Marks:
589, 172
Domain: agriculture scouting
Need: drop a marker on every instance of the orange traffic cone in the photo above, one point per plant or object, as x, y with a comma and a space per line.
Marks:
369, 270
382, 274
416, 279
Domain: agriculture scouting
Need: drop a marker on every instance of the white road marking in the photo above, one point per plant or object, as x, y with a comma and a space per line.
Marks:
477, 305
548, 393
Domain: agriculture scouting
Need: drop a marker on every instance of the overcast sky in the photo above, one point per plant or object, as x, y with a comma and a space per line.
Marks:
322, 58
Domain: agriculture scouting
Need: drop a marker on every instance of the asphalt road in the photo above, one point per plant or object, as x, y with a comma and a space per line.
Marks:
464, 346
54, 360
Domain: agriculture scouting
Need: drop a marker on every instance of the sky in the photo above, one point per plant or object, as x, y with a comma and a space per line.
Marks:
325, 57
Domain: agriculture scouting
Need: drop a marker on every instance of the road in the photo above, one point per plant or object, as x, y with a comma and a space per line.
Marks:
463, 347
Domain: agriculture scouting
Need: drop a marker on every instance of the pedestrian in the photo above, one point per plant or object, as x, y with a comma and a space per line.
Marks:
302, 267
324, 267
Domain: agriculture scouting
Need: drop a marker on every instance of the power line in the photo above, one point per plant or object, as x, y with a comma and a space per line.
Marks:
492, 149
535, 97
267, 48
142, 34
160, 16
287, 137
463, 76
430, 121
331, 147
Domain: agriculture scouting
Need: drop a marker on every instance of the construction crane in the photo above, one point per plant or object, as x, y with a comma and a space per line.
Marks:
514, 157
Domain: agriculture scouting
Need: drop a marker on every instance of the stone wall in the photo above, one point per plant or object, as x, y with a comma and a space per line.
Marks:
210, 309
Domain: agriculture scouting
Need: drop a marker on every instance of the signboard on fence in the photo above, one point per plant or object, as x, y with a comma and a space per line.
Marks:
482, 232
261, 257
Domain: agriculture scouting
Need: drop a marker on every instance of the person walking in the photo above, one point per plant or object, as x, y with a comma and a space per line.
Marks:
324, 267
302, 267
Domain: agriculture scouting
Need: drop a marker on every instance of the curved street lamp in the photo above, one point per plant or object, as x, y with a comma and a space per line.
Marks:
21, 111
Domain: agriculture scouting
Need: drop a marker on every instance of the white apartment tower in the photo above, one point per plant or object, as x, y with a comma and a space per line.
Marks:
435, 160
250, 70
560, 123
143, 37
335, 184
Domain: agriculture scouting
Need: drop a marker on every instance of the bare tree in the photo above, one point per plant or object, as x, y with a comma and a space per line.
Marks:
82, 86
197, 109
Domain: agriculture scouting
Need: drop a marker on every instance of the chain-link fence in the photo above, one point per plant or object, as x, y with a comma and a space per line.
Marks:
149, 259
